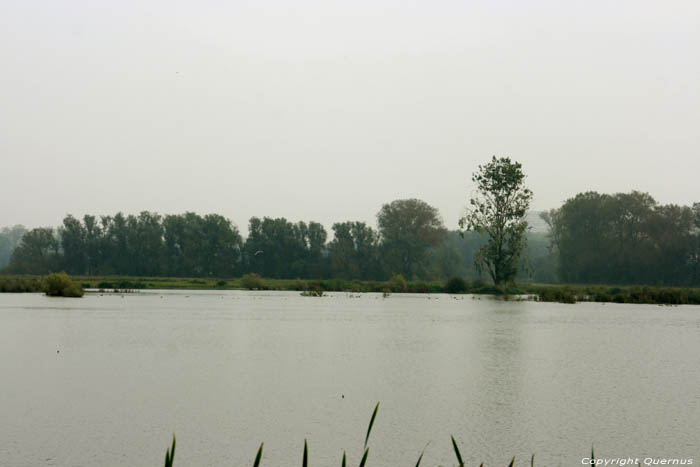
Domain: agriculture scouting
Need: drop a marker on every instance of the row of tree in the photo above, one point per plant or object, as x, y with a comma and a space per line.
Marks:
408, 241
625, 238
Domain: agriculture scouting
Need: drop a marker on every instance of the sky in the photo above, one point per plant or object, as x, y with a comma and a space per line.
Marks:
324, 110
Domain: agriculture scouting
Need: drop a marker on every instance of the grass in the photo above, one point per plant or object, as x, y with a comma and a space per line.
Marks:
637, 294
55, 285
170, 453
21, 284
561, 293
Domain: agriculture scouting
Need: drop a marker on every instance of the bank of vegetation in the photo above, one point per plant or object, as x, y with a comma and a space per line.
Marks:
53, 285
623, 239
410, 240
397, 284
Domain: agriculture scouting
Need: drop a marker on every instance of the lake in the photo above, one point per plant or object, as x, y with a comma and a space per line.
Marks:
107, 379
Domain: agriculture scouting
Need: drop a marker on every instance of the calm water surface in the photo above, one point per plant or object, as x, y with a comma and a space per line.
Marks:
106, 380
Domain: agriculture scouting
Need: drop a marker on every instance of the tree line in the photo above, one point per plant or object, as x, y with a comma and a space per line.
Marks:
625, 238
411, 240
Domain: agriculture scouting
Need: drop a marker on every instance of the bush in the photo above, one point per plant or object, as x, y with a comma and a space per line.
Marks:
21, 284
397, 283
221, 284
252, 281
60, 285
456, 285
127, 285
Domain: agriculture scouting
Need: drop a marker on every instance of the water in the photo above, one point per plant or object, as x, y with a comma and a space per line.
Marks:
106, 380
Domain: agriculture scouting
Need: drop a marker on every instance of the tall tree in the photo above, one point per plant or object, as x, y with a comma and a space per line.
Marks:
408, 229
694, 257
37, 253
9, 239
354, 251
498, 210
281, 249
73, 244
625, 238
222, 246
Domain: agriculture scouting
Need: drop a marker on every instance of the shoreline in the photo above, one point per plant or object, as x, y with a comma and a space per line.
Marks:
561, 293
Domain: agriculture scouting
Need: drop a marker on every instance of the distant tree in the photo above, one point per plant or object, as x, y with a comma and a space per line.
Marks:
144, 240
9, 239
222, 246
74, 245
354, 251
93, 244
314, 239
408, 229
694, 257
665, 246
445, 260
277, 248
498, 210
625, 238
37, 253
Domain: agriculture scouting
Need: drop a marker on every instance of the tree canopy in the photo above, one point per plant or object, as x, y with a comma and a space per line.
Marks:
625, 238
408, 229
498, 210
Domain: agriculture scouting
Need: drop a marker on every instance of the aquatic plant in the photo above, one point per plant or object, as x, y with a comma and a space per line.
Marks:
170, 453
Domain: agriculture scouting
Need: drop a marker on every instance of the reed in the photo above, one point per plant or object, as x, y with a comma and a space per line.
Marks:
170, 453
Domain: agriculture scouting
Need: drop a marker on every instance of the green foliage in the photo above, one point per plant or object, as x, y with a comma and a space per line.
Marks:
170, 455
60, 285
36, 253
371, 423
409, 229
252, 281
313, 292
625, 238
498, 210
281, 249
456, 285
398, 283
556, 294
9, 239
457, 453
628, 294
354, 251
593, 238
21, 284
258, 456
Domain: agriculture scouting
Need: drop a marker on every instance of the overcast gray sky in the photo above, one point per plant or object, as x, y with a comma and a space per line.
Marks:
323, 110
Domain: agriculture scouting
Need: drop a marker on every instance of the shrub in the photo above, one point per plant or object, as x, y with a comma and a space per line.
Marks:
397, 283
252, 281
456, 285
221, 284
60, 285
21, 284
127, 284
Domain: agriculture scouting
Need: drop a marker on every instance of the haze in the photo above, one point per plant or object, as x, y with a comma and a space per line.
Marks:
324, 110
